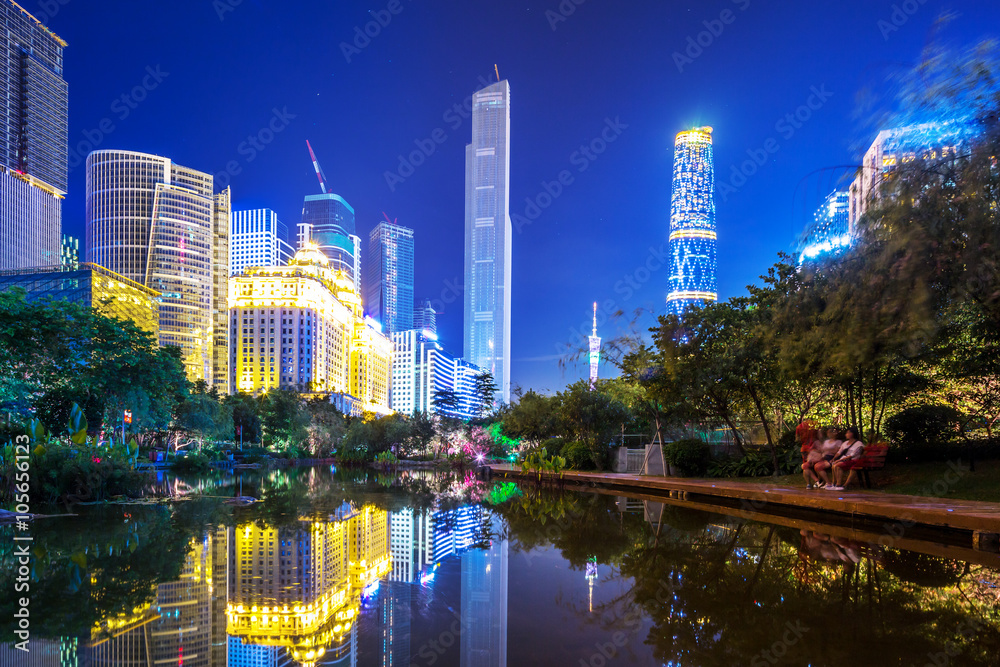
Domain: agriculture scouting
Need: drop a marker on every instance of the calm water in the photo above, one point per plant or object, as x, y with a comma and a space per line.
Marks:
358, 568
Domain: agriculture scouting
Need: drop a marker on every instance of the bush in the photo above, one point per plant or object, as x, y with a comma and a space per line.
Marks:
758, 463
690, 457
577, 455
194, 462
554, 446
923, 425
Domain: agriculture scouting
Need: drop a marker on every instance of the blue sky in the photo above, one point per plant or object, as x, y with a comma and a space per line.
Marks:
235, 87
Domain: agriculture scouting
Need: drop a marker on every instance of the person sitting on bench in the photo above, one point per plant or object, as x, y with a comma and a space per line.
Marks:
849, 452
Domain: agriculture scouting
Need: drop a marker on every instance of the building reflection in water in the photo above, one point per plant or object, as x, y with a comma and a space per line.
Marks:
484, 605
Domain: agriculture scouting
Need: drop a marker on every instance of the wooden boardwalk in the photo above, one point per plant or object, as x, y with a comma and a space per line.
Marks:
895, 515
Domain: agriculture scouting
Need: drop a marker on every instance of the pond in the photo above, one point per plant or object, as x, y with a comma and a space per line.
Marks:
406, 569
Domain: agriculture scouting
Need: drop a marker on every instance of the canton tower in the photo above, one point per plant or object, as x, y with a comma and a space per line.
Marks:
692, 223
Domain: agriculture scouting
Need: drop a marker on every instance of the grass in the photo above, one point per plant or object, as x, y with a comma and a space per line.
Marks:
921, 479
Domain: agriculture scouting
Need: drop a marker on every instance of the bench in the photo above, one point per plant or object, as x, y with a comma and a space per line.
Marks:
873, 458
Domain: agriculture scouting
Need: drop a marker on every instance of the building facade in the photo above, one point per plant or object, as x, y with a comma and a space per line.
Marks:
488, 236
927, 142
830, 230
328, 221
91, 285
70, 252
692, 242
257, 238
389, 277
33, 140
221, 223
154, 222
427, 379
424, 316
302, 327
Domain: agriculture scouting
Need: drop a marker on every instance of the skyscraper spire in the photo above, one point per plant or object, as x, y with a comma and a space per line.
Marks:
595, 352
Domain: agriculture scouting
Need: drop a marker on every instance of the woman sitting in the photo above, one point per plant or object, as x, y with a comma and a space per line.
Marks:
811, 455
828, 449
843, 461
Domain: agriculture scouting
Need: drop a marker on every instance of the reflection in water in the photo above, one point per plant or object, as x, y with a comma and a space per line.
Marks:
399, 571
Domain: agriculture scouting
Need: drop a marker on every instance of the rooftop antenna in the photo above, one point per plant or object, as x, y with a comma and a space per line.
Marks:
319, 170
497, 70
391, 222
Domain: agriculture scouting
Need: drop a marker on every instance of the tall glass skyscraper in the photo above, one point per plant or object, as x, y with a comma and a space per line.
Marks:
488, 236
389, 277
830, 231
33, 140
328, 221
693, 259
156, 222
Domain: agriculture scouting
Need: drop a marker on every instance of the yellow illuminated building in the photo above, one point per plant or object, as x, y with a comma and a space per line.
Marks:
300, 586
302, 327
105, 291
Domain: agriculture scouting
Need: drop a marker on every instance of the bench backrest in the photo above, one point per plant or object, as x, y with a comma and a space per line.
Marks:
874, 455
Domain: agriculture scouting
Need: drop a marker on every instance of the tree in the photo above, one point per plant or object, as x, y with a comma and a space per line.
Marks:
533, 418
486, 392
593, 418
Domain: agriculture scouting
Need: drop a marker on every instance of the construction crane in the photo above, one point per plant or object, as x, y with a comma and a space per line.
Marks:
319, 170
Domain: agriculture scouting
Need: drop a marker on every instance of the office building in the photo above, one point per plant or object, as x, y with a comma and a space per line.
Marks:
488, 236
328, 221
257, 238
221, 215
91, 285
155, 222
692, 243
427, 379
424, 317
70, 252
927, 142
830, 230
33, 140
389, 277
301, 327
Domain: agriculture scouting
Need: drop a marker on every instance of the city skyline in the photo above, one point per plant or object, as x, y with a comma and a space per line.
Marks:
622, 188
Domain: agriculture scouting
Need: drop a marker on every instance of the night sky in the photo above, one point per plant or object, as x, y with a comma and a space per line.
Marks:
200, 77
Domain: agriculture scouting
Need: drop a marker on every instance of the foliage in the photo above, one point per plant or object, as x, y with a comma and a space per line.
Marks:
924, 425
537, 461
577, 455
690, 457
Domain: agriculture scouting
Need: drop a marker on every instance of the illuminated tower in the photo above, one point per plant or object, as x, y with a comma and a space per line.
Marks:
488, 236
33, 140
692, 223
595, 351
389, 277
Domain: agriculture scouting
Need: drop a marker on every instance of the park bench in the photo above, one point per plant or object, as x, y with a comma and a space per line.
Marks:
873, 458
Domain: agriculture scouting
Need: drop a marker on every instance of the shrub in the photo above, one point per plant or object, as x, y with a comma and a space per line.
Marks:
923, 425
554, 446
690, 457
757, 463
577, 456
194, 462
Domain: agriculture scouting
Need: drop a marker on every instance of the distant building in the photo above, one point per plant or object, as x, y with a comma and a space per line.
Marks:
301, 327
484, 605
693, 260
488, 236
328, 221
389, 278
91, 285
257, 238
221, 216
155, 222
928, 142
33, 140
424, 316
830, 231
419, 539
70, 255
422, 372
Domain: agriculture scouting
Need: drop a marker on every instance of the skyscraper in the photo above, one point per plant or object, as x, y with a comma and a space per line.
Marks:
424, 316
830, 231
488, 236
221, 222
257, 238
328, 221
33, 140
154, 222
693, 259
389, 277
